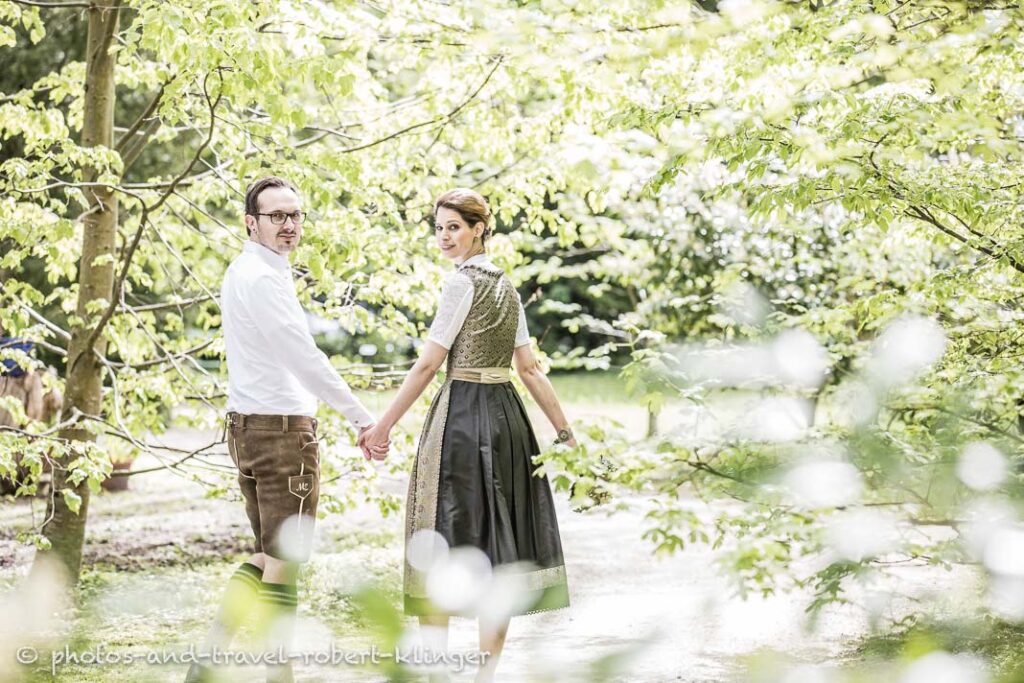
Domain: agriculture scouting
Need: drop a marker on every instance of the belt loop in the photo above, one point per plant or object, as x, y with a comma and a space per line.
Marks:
241, 422
284, 424
314, 425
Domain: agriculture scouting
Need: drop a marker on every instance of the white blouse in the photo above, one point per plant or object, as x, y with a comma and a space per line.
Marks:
457, 299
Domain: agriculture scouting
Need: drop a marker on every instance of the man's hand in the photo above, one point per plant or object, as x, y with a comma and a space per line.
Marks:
374, 441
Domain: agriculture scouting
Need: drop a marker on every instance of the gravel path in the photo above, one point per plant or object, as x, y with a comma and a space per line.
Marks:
647, 618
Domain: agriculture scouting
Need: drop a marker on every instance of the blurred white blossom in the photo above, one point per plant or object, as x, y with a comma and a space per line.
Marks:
905, 349
985, 517
507, 594
425, 549
811, 673
943, 667
742, 12
744, 304
456, 583
856, 403
860, 534
777, 418
981, 466
1004, 552
800, 359
793, 358
296, 537
1005, 597
823, 480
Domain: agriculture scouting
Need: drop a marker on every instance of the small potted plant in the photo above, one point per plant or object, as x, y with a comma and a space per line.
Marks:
121, 458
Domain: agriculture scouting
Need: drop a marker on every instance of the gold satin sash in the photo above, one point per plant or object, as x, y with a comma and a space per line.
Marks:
481, 375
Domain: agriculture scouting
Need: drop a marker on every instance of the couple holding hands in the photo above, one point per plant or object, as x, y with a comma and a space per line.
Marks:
472, 481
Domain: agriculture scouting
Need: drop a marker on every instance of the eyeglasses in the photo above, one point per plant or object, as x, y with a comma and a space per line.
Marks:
279, 217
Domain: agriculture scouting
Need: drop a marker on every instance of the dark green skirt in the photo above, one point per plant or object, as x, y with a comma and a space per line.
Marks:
488, 496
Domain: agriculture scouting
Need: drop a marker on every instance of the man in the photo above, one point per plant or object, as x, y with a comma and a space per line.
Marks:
40, 404
275, 376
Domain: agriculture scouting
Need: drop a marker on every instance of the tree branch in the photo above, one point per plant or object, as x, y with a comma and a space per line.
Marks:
443, 119
143, 117
115, 298
922, 214
168, 358
200, 298
54, 5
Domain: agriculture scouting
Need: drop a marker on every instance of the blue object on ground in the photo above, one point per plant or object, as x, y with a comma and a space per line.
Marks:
9, 367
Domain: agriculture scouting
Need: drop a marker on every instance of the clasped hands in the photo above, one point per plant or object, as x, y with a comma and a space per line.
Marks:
374, 441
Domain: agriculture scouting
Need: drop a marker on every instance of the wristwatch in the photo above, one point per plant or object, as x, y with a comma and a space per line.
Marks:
564, 435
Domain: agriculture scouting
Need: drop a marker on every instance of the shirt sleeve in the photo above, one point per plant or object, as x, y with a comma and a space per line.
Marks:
283, 324
456, 300
522, 333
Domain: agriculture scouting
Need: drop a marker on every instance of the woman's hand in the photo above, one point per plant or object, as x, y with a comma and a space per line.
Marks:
375, 441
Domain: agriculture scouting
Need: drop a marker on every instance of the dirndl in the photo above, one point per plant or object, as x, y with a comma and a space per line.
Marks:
474, 483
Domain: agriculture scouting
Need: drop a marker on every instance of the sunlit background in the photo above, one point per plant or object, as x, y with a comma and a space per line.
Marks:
769, 254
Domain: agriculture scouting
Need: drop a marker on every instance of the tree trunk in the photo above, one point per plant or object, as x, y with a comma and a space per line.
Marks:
65, 529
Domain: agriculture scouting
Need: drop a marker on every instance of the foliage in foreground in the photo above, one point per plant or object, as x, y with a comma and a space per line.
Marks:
820, 200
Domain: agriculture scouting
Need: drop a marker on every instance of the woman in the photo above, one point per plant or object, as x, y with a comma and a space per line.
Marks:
472, 481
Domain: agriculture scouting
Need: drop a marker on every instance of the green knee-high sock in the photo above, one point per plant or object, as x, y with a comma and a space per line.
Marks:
240, 598
278, 604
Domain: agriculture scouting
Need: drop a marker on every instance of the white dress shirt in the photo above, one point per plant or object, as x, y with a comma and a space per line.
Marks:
457, 299
274, 366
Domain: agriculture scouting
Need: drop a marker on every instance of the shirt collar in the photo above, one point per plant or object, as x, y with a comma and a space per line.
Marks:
270, 257
479, 259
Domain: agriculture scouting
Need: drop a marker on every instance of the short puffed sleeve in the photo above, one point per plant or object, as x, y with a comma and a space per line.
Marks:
522, 333
456, 300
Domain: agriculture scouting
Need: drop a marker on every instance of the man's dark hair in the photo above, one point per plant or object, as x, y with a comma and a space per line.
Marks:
252, 194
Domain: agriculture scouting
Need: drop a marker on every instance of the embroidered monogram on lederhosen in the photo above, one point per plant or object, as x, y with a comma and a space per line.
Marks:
487, 338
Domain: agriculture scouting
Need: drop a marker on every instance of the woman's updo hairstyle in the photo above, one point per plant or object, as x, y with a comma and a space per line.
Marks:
470, 205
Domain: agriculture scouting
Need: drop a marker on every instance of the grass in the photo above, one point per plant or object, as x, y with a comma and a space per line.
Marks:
167, 610
140, 597
996, 641
158, 557
589, 388
159, 609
